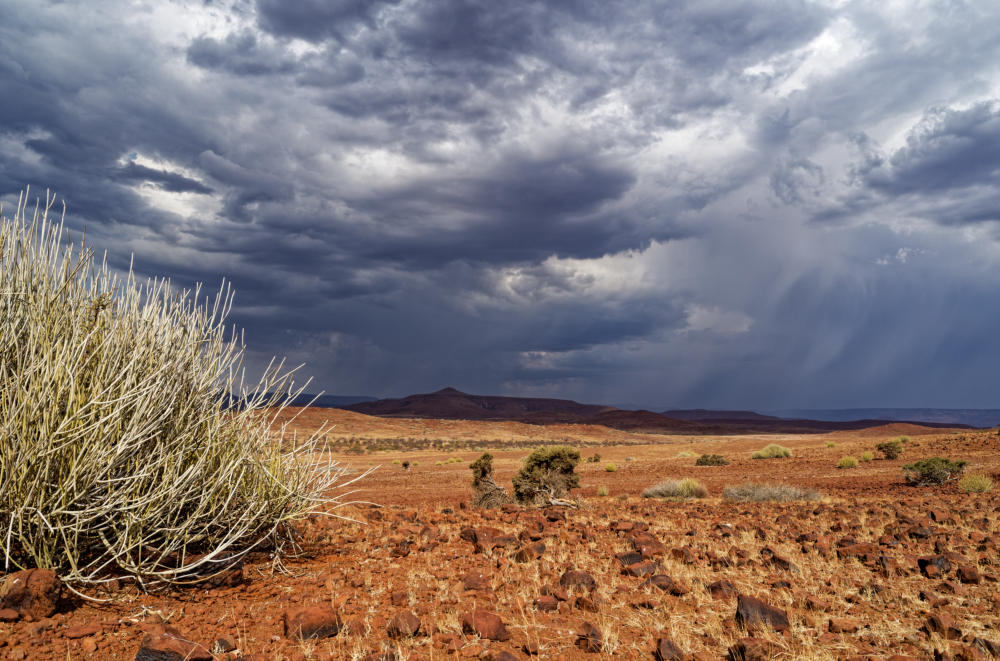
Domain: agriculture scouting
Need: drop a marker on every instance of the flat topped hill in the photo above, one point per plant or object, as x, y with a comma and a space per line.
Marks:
449, 403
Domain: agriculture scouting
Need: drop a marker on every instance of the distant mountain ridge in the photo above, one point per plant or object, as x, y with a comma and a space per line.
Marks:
452, 404
980, 418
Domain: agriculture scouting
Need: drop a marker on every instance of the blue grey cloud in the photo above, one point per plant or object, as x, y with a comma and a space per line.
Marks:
770, 203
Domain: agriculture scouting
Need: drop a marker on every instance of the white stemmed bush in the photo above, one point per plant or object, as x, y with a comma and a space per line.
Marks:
129, 442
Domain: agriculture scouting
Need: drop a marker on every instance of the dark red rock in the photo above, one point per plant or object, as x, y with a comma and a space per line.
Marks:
666, 650
969, 575
546, 603
9, 615
752, 613
312, 622
502, 656
577, 579
590, 638
843, 625
475, 580
641, 569
32, 592
940, 562
944, 625
721, 589
752, 649
165, 643
485, 625
404, 625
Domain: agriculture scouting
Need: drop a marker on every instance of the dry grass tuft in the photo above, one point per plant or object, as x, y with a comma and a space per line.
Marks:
129, 441
686, 488
759, 493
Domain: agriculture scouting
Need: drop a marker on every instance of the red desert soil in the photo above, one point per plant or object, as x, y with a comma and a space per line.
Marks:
874, 569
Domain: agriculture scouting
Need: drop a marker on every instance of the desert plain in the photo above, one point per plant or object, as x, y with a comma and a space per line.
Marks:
873, 569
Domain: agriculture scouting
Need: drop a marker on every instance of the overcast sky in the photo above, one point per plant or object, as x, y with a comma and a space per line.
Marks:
757, 203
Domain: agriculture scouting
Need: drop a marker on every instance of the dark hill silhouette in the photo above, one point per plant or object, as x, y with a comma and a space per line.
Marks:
449, 403
453, 404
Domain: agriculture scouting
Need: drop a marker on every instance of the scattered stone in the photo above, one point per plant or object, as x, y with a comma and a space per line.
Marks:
32, 592
82, 631
944, 625
475, 580
404, 625
165, 643
666, 650
485, 625
577, 579
843, 625
546, 603
752, 613
312, 622
590, 639
721, 589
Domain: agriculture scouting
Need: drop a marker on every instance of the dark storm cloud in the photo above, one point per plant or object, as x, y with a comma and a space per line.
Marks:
665, 203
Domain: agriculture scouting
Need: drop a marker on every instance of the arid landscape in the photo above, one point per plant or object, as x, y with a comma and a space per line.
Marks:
873, 569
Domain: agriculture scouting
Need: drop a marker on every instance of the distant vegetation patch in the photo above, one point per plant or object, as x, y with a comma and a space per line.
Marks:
611, 468
760, 493
683, 489
772, 451
866, 456
686, 454
711, 460
847, 462
891, 449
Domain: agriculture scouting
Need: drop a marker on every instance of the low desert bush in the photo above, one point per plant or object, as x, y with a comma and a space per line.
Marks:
866, 456
686, 454
935, 470
711, 460
759, 493
611, 468
486, 492
975, 483
830, 444
129, 442
772, 451
847, 462
547, 473
602, 491
686, 488
891, 449
594, 459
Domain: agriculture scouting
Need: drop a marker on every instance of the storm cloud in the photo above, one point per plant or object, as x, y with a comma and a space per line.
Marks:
754, 203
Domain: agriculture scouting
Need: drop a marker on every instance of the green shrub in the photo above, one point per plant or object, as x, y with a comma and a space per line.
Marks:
594, 459
772, 451
602, 490
847, 462
611, 468
904, 439
975, 483
685, 454
686, 488
486, 492
830, 444
867, 456
546, 474
891, 449
128, 442
759, 493
711, 460
935, 470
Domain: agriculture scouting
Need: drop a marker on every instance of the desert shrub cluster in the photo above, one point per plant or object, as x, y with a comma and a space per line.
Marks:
485, 491
759, 493
682, 489
932, 471
129, 442
547, 473
847, 462
711, 460
772, 451
891, 449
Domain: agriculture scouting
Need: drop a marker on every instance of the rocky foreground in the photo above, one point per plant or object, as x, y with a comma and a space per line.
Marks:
629, 578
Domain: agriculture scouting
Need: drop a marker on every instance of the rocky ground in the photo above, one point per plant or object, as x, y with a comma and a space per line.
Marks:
874, 570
